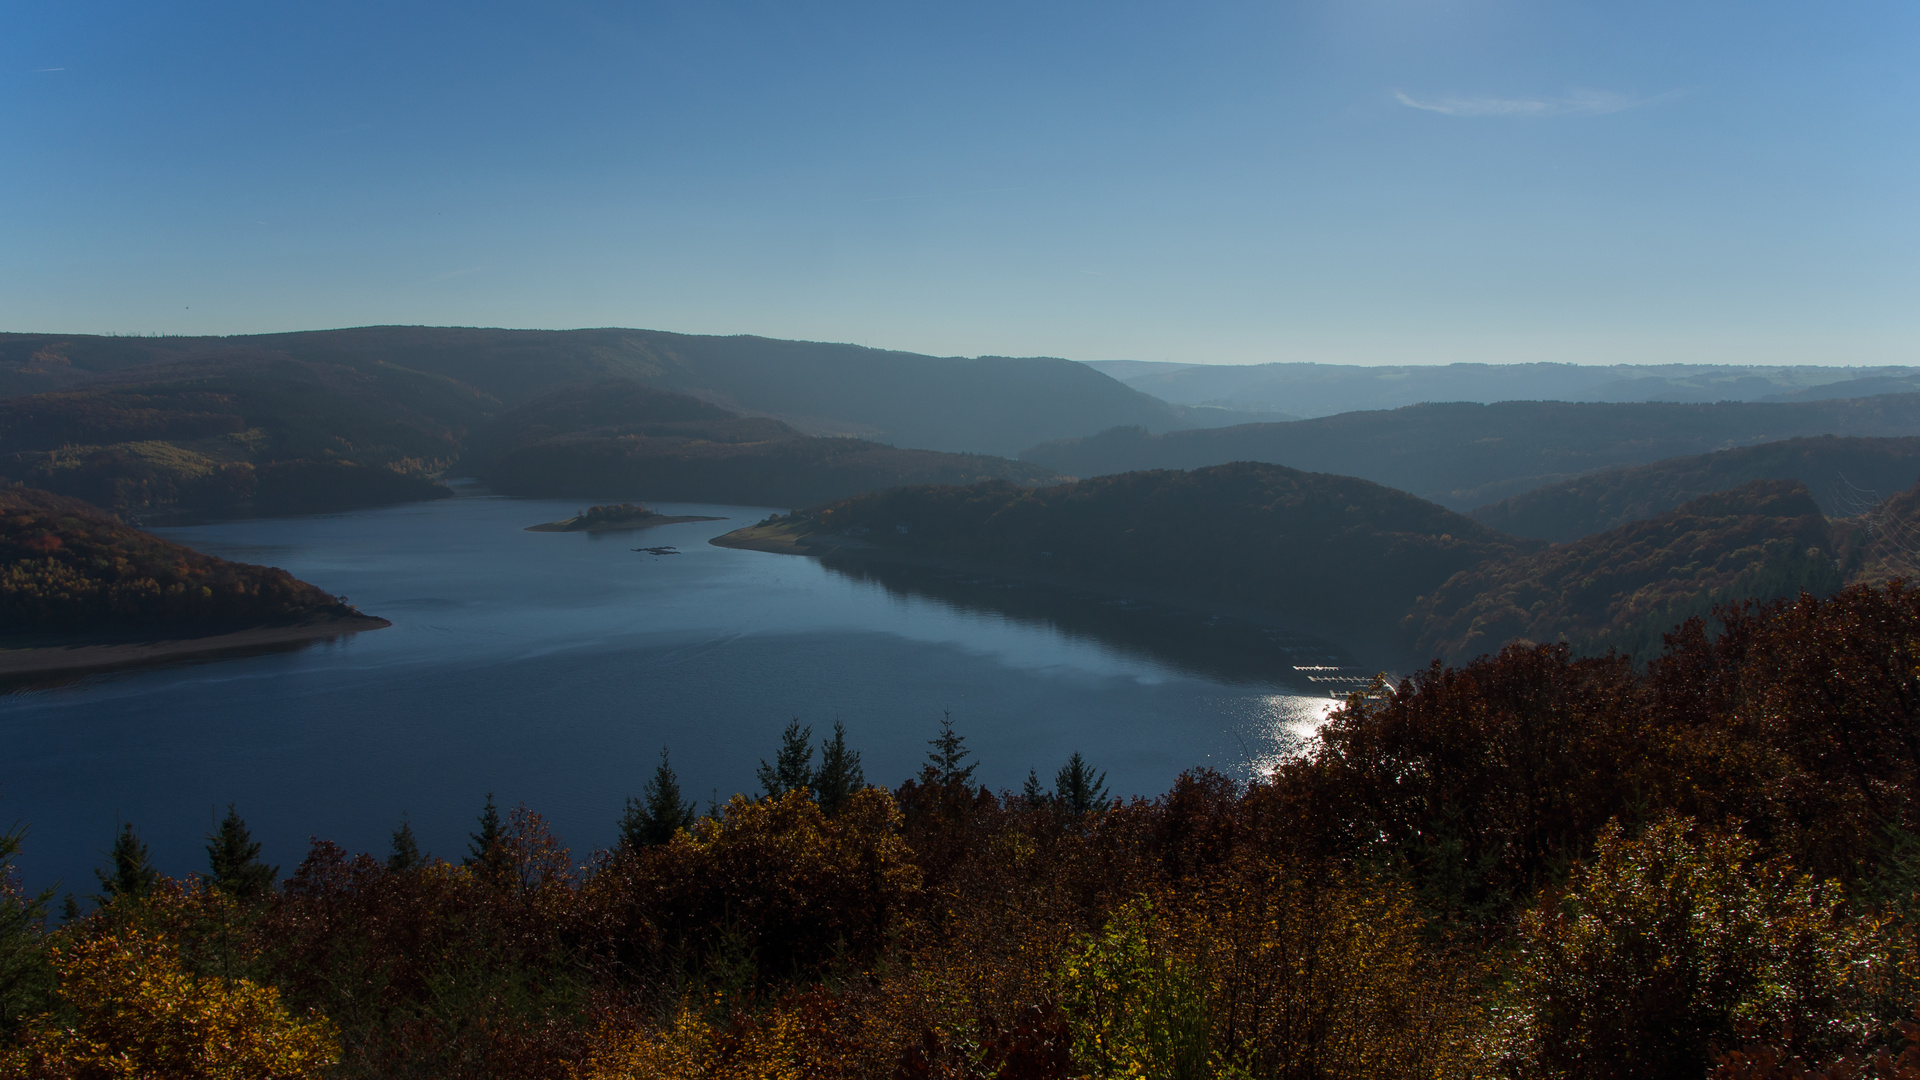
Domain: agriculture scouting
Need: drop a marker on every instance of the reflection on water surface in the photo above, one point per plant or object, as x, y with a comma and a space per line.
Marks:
551, 668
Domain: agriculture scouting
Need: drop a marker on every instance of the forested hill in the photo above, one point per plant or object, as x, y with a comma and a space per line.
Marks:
995, 405
1310, 389
67, 568
618, 439
265, 434
1846, 476
1626, 587
244, 434
1466, 455
1246, 536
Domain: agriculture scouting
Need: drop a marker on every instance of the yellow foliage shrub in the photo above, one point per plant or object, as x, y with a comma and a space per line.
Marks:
138, 1013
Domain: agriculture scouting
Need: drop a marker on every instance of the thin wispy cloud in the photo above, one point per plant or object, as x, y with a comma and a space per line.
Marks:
38, 70
1574, 103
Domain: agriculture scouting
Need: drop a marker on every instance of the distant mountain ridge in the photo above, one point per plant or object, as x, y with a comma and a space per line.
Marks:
1845, 476
1310, 390
987, 404
1463, 455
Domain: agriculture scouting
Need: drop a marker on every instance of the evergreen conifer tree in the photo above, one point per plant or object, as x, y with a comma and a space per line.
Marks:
26, 978
233, 860
1035, 795
1077, 788
839, 776
405, 854
949, 749
481, 844
792, 767
654, 818
129, 871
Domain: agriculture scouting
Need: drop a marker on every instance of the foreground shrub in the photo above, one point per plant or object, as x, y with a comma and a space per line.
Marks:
1667, 943
137, 1012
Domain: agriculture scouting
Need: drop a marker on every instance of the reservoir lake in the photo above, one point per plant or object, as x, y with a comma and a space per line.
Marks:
551, 669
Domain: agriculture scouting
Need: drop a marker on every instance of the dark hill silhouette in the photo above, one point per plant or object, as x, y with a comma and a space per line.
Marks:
1310, 389
1626, 587
1844, 475
617, 439
1467, 455
1343, 552
983, 404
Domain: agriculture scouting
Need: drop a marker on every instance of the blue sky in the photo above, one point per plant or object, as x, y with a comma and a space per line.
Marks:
1372, 181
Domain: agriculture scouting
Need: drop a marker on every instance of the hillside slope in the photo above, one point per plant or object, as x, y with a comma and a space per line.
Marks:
244, 434
1466, 455
617, 439
1343, 552
1307, 389
66, 568
984, 404
1844, 475
1625, 587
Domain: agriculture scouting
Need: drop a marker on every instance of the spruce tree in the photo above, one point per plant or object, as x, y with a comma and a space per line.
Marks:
405, 853
1077, 788
27, 980
481, 844
943, 761
129, 871
1035, 795
233, 860
661, 813
839, 776
792, 767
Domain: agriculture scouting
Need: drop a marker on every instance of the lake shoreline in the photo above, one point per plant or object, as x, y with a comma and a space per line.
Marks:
84, 657
567, 525
776, 539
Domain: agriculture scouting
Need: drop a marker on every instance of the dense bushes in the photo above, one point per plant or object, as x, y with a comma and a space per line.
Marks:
1531, 866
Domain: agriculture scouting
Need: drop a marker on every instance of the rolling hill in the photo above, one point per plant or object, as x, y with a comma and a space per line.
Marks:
1466, 455
1625, 587
1243, 537
982, 404
239, 435
1307, 390
1845, 476
66, 568
617, 439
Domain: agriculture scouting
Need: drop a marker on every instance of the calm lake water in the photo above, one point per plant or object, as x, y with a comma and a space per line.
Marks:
551, 669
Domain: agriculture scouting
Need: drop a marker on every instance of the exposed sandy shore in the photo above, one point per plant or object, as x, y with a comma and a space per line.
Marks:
617, 526
75, 659
777, 539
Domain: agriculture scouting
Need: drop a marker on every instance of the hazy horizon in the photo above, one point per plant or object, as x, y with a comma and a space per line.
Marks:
1378, 182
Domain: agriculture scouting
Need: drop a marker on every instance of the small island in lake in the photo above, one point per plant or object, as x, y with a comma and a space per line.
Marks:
616, 518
